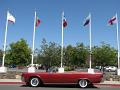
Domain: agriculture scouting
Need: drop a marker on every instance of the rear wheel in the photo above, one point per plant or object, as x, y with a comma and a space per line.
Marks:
83, 83
34, 82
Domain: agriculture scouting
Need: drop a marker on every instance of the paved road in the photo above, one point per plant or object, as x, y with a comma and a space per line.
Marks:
21, 87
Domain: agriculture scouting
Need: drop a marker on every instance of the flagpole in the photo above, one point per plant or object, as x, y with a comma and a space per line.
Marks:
62, 42
33, 39
117, 39
3, 61
90, 40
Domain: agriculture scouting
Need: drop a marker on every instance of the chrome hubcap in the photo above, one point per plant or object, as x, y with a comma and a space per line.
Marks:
34, 81
83, 83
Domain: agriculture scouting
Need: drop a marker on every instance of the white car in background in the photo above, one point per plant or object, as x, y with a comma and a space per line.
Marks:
110, 68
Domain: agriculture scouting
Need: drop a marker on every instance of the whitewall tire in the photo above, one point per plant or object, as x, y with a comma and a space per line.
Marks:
83, 83
34, 82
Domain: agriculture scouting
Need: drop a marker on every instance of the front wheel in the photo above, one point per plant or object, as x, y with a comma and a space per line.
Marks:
34, 82
83, 83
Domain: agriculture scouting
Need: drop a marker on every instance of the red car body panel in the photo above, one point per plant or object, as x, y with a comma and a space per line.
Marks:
63, 78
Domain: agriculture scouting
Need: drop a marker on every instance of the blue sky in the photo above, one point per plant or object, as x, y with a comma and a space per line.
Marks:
49, 12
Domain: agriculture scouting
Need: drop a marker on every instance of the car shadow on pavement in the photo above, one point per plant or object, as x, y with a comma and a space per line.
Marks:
61, 86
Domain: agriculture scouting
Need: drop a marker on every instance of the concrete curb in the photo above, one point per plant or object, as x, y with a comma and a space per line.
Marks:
12, 83
107, 85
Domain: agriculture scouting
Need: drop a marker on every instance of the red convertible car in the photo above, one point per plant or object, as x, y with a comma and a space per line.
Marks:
83, 79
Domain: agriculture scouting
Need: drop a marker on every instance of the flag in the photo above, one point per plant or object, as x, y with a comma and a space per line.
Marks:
10, 18
37, 22
86, 21
64, 20
112, 20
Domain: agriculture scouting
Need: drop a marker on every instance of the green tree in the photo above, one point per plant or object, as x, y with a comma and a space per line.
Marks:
76, 56
70, 55
19, 53
104, 55
82, 55
49, 54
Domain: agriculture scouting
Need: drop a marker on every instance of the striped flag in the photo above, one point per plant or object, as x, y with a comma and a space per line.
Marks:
10, 17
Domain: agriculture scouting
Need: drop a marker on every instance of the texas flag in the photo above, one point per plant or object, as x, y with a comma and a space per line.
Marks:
112, 20
37, 22
86, 21
10, 17
64, 20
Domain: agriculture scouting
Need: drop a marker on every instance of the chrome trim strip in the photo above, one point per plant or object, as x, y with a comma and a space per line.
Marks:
60, 83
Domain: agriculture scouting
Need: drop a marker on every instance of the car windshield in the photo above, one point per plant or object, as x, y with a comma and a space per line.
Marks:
53, 69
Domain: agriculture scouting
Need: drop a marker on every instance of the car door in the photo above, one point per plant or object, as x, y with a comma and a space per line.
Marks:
54, 78
61, 78
68, 78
